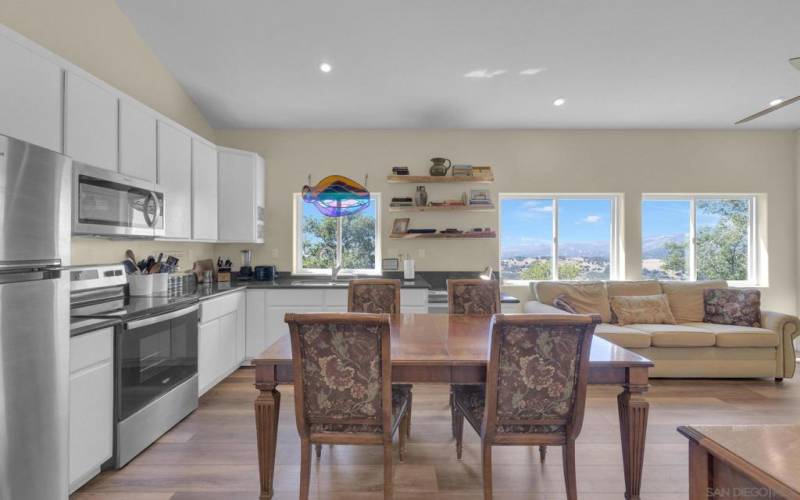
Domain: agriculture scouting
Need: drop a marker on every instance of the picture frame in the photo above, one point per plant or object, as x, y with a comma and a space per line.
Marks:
400, 225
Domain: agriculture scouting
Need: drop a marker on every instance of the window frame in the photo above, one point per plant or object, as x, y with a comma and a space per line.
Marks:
753, 278
297, 243
616, 267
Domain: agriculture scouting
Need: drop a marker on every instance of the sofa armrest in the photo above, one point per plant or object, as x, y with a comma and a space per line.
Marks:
537, 307
787, 327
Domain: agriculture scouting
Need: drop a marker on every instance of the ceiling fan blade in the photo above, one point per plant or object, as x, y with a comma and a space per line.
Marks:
769, 110
795, 61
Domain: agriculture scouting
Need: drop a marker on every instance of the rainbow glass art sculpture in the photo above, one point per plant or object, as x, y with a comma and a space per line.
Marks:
337, 196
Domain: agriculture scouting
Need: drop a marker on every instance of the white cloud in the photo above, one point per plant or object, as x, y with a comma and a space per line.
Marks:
532, 71
484, 73
536, 206
591, 219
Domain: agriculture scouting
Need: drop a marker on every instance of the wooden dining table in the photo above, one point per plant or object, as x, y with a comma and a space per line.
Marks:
440, 348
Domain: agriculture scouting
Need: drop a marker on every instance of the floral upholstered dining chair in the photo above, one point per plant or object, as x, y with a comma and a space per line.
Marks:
343, 389
473, 296
535, 390
374, 296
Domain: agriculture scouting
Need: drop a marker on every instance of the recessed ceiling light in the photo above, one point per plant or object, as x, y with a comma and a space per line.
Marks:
775, 102
484, 73
559, 102
325, 67
532, 71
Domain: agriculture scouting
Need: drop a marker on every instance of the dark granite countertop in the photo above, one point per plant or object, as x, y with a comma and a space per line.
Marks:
313, 282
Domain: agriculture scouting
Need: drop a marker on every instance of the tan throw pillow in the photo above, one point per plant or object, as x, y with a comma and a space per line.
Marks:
584, 297
686, 298
647, 309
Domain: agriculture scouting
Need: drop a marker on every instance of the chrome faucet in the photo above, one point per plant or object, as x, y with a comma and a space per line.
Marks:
335, 270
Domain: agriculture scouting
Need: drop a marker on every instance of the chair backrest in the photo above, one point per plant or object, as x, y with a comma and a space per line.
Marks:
473, 296
342, 372
537, 373
374, 296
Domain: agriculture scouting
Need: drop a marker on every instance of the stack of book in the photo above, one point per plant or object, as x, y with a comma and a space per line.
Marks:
480, 197
402, 201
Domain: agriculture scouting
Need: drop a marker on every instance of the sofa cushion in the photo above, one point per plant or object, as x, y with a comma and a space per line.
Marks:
677, 335
686, 298
623, 336
740, 336
631, 288
642, 309
733, 306
585, 297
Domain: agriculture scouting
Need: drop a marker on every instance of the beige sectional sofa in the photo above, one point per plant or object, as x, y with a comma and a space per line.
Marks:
691, 348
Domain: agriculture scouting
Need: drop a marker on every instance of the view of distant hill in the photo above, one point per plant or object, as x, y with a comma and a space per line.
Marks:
652, 248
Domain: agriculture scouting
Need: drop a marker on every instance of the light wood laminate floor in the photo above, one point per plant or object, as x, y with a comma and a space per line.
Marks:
212, 453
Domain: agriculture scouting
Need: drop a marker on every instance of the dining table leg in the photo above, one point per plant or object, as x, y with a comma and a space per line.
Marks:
267, 406
633, 411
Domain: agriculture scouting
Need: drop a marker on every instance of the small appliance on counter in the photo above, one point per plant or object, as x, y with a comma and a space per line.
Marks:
246, 270
266, 273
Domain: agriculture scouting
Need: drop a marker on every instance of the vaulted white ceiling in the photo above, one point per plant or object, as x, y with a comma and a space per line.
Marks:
618, 63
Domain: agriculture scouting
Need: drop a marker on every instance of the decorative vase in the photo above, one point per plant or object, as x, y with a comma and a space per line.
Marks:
421, 198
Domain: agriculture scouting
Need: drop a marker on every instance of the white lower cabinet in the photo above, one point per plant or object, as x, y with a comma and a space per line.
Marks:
220, 334
266, 309
91, 404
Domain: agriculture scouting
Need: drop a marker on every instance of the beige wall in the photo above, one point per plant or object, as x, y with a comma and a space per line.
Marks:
96, 36
627, 162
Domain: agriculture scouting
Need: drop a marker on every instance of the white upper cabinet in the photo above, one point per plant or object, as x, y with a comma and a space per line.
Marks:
30, 96
204, 191
241, 196
90, 122
137, 141
175, 179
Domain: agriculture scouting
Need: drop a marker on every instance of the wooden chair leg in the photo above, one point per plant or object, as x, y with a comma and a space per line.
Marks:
459, 425
410, 400
542, 454
318, 450
305, 469
486, 461
452, 412
570, 478
403, 434
388, 489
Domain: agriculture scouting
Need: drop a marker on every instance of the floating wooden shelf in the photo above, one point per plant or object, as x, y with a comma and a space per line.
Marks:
446, 208
444, 179
442, 236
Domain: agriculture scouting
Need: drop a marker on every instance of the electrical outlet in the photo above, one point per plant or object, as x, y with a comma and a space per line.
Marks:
274, 253
421, 253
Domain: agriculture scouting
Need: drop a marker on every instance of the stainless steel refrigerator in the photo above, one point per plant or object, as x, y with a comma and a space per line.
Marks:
34, 321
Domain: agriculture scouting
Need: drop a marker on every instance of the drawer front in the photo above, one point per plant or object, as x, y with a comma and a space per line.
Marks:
218, 307
90, 349
414, 297
289, 297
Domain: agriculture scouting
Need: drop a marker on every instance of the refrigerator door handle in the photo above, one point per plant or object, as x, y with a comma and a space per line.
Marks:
25, 276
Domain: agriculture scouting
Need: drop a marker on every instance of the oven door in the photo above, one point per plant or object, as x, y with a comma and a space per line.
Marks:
107, 203
154, 355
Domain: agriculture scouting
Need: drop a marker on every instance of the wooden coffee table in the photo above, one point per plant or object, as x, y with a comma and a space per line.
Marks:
447, 349
743, 461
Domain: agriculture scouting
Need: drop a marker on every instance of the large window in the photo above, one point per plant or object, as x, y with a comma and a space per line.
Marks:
698, 237
561, 237
315, 240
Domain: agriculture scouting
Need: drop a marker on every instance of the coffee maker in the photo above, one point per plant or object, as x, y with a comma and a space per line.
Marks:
246, 269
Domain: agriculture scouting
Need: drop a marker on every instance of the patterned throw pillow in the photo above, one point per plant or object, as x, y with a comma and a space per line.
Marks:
562, 302
642, 309
733, 306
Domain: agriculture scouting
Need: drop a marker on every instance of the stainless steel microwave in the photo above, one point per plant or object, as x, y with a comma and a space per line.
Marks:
107, 203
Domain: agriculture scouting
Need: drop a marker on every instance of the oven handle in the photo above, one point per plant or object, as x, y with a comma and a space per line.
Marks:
139, 323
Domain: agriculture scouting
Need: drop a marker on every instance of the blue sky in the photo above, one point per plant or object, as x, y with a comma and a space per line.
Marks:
663, 217
579, 220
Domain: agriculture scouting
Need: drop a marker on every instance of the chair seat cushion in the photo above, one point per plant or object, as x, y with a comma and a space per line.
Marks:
471, 399
740, 336
400, 396
681, 335
623, 336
